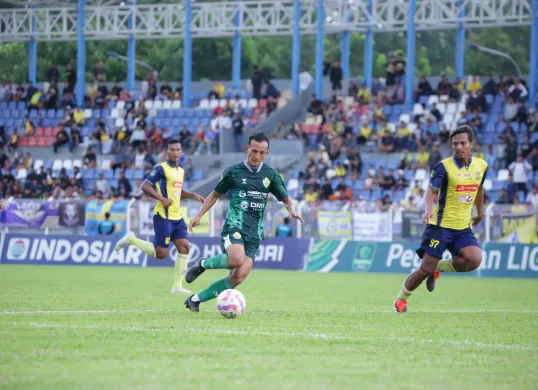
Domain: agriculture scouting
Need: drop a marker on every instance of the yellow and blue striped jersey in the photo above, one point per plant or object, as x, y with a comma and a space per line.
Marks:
168, 181
457, 185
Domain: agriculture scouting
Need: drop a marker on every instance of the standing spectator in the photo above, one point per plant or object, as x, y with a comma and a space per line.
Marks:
532, 198
336, 77
106, 227
519, 170
399, 69
424, 88
75, 139
435, 156
326, 66
53, 75
305, 79
99, 71
238, 126
257, 81
284, 229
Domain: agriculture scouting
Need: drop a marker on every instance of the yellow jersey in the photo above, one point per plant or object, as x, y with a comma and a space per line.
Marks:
168, 181
457, 185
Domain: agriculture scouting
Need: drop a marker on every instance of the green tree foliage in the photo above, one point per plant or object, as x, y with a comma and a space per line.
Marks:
212, 57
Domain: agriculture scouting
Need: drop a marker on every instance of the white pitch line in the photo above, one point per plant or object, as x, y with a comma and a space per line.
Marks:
287, 333
261, 311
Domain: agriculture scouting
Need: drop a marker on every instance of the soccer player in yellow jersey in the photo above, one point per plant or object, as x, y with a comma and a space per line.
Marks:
458, 182
165, 184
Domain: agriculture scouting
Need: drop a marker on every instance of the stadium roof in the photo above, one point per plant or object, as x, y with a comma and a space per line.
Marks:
57, 3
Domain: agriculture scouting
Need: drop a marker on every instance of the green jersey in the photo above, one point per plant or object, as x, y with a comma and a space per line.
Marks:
249, 188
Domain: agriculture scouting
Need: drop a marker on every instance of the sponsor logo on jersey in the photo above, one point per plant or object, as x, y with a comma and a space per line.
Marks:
256, 194
465, 199
243, 181
236, 235
178, 184
244, 205
477, 175
466, 187
242, 194
254, 205
266, 182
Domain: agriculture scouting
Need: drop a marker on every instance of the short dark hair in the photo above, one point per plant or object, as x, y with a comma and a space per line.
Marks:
172, 141
259, 137
465, 129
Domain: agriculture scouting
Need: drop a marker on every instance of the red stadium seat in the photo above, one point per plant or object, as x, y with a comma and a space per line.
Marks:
32, 141
48, 131
55, 131
23, 141
38, 132
41, 141
50, 140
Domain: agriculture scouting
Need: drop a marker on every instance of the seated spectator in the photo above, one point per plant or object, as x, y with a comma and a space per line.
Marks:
166, 92
89, 160
271, 90
352, 89
521, 114
28, 126
490, 88
532, 121
386, 142
424, 88
510, 110
422, 159
217, 92
101, 185
474, 85
340, 171
364, 133
13, 142
363, 95
517, 91
406, 160
78, 116
462, 120
403, 135
444, 86
401, 182
61, 139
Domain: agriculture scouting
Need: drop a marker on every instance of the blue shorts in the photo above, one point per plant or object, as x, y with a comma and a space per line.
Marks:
167, 230
436, 240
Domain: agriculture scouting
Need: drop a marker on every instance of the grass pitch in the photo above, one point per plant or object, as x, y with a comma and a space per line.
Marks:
118, 328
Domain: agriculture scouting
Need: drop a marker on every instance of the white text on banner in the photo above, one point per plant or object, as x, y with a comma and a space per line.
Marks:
372, 227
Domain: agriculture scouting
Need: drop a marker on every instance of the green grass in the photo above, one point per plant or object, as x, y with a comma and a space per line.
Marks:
300, 331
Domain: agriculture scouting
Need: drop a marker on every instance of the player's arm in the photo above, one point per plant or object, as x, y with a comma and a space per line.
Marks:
437, 176
479, 202
148, 187
278, 189
2, 206
192, 195
222, 187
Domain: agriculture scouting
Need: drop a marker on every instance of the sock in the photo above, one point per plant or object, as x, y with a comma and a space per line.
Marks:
145, 246
404, 293
180, 268
214, 290
216, 262
446, 266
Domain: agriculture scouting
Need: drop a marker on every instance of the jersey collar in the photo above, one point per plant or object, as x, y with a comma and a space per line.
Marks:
252, 169
459, 164
172, 164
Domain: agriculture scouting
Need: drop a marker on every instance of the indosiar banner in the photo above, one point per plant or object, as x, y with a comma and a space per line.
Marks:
499, 260
335, 225
67, 250
95, 213
274, 253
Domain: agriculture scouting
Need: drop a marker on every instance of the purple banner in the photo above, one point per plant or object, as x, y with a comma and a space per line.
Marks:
34, 215
274, 253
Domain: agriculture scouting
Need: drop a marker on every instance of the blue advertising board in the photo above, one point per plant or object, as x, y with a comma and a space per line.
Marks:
274, 253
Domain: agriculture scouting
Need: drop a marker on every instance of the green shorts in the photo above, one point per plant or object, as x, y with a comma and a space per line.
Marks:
234, 236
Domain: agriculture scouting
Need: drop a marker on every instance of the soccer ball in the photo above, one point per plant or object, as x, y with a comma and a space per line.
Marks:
231, 303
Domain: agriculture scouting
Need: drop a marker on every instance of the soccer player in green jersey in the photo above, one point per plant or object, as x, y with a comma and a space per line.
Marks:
249, 183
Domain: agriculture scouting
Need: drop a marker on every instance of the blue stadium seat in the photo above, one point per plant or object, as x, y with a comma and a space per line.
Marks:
128, 173
198, 174
113, 183
59, 114
88, 174
521, 196
138, 174
109, 174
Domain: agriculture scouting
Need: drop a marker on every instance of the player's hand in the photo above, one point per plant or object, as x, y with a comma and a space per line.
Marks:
194, 222
2, 206
166, 203
426, 216
296, 216
476, 220
199, 198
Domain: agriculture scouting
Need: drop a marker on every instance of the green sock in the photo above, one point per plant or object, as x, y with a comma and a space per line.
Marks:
214, 290
216, 262
144, 246
446, 266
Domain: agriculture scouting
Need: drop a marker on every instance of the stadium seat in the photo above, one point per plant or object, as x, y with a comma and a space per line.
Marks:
57, 165
418, 109
420, 174
148, 104
68, 164
39, 131
38, 164
105, 164
433, 99
503, 175
488, 184
77, 163
158, 104
405, 118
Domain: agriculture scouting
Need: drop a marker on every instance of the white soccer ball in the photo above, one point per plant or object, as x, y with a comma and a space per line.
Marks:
231, 303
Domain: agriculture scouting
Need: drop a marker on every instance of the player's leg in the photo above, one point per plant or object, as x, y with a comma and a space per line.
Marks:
467, 254
236, 253
179, 237
228, 259
159, 247
430, 251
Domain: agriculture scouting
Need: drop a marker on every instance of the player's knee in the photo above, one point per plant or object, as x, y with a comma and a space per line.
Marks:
237, 278
183, 248
473, 262
235, 261
161, 253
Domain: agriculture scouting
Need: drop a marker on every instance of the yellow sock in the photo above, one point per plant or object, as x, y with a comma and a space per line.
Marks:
144, 246
182, 262
404, 293
446, 266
